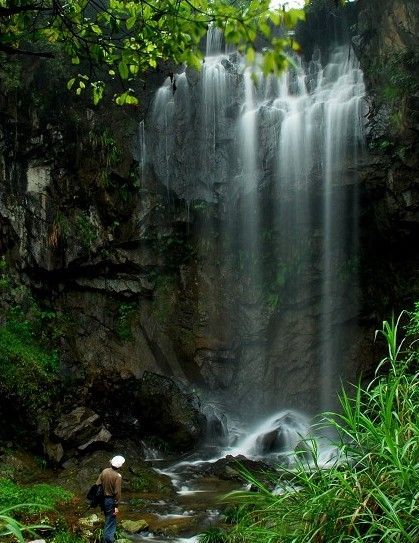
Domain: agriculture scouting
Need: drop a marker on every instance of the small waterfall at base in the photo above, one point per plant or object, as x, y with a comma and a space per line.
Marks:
276, 161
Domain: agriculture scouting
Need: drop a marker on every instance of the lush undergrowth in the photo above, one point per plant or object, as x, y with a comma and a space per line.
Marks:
370, 493
40, 496
24, 510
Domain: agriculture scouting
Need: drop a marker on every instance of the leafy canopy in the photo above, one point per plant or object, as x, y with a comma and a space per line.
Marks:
121, 39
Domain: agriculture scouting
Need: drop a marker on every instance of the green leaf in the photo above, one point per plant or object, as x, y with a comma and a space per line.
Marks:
120, 100
96, 29
131, 100
250, 55
130, 22
97, 93
75, 60
70, 83
123, 70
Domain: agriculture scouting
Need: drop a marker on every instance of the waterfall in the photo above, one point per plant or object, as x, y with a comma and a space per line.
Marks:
276, 158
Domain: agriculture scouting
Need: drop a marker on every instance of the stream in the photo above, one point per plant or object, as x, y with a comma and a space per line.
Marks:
201, 479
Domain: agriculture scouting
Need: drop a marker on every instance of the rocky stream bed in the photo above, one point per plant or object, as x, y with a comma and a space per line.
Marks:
168, 499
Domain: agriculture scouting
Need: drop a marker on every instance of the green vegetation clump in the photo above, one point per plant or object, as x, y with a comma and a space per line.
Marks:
86, 231
29, 362
18, 503
28, 366
67, 537
370, 493
213, 534
37, 497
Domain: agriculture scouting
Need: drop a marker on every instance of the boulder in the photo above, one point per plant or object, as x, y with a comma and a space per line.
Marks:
272, 441
88, 525
81, 428
103, 436
170, 413
216, 432
231, 468
89, 522
134, 526
54, 451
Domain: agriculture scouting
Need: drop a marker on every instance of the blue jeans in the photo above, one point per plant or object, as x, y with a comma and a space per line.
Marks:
110, 520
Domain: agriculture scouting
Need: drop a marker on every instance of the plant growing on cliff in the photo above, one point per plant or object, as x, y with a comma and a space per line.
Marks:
371, 493
125, 314
122, 40
28, 361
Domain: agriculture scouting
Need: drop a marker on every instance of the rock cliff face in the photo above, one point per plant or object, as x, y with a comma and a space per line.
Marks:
135, 270
387, 45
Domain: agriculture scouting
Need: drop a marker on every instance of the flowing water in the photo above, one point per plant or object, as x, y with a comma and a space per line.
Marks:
277, 159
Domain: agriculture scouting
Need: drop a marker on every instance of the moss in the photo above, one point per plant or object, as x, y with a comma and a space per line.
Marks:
164, 298
149, 481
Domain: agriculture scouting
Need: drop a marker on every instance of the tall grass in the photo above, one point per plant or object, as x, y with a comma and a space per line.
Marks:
13, 529
19, 505
371, 493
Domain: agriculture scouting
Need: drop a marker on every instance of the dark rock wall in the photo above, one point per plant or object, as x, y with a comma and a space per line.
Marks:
137, 272
387, 44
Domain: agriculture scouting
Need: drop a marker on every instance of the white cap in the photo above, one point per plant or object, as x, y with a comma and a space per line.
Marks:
117, 461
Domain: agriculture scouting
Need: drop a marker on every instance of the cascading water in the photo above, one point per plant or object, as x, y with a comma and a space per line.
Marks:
276, 159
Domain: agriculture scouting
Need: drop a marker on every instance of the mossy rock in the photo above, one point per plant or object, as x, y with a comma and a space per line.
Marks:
89, 522
144, 479
134, 526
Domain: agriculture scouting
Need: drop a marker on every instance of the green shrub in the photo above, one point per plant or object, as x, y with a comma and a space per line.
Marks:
371, 492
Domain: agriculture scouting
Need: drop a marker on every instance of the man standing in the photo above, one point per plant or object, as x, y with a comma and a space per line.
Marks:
111, 480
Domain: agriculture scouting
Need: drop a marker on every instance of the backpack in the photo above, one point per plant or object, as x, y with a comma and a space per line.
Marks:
95, 495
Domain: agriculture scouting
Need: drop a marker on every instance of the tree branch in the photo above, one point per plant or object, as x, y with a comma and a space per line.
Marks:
14, 51
8, 12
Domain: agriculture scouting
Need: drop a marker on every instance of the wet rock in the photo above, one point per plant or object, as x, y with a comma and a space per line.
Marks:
271, 442
169, 413
87, 526
216, 429
134, 526
231, 467
141, 478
